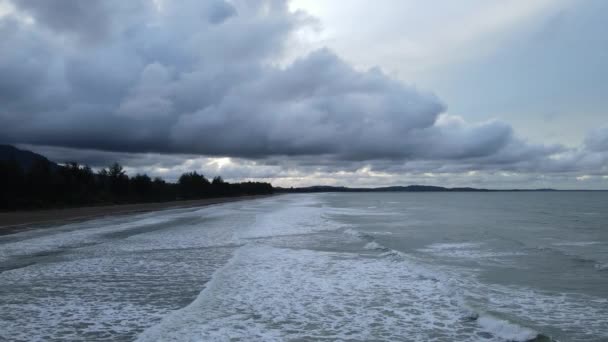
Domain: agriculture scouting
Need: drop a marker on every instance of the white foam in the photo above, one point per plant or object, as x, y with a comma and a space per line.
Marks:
380, 233
117, 286
583, 316
451, 246
101, 298
466, 250
352, 232
275, 294
506, 330
373, 246
295, 216
576, 243
74, 235
369, 211
181, 228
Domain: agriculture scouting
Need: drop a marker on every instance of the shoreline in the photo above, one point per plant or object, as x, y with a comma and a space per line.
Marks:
14, 222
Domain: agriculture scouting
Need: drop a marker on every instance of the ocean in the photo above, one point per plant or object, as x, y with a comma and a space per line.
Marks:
504, 266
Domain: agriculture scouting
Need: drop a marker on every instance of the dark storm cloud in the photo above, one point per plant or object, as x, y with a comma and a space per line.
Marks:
199, 77
101, 159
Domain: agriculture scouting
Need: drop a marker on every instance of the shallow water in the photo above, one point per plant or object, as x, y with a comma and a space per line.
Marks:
357, 267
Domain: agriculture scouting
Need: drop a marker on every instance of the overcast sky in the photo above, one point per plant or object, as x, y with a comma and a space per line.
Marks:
502, 94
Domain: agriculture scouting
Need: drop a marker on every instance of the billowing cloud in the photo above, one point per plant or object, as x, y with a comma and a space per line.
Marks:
208, 78
204, 84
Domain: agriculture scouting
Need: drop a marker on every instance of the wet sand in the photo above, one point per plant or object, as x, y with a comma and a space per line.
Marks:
12, 222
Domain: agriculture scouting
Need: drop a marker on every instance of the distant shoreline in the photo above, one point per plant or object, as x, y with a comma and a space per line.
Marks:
414, 188
13, 222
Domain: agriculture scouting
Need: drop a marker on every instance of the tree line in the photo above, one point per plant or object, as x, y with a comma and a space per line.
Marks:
47, 185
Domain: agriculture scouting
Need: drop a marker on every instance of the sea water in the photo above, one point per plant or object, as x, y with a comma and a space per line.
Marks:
508, 266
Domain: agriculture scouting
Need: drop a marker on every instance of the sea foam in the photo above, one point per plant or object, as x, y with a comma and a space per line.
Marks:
506, 330
266, 293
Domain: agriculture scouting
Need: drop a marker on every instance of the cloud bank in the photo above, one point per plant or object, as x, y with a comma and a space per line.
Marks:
203, 78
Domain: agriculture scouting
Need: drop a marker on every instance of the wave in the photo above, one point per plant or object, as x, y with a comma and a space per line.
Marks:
369, 211
374, 246
466, 250
454, 245
97, 231
298, 218
358, 234
380, 233
576, 243
506, 330
271, 293
491, 327
268, 293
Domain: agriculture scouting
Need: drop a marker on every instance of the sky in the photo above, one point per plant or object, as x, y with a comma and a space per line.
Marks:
499, 94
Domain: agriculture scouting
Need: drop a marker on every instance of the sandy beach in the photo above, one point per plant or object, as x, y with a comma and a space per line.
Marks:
11, 222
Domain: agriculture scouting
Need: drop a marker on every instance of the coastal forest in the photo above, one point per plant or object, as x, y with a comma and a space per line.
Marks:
44, 184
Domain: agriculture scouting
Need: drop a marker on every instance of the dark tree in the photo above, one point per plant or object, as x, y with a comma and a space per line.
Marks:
12, 183
45, 184
193, 185
142, 186
118, 181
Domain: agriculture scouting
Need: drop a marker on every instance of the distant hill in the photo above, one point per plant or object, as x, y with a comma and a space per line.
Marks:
409, 188
24, 158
